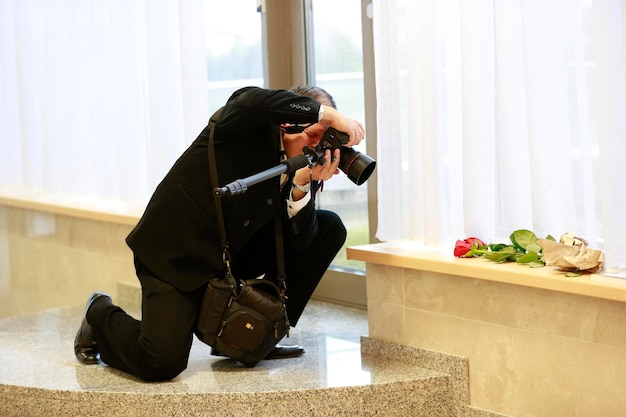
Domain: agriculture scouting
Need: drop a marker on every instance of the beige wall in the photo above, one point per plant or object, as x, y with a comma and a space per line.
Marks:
532, 352
50, 260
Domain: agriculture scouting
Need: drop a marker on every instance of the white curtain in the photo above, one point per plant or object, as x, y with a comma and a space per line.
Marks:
497, 115
98, 97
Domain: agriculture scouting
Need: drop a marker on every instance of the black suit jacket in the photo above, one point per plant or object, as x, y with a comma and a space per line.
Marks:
177, 237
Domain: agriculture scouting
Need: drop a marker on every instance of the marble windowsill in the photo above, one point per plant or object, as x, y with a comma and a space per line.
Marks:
412, 255
85, 207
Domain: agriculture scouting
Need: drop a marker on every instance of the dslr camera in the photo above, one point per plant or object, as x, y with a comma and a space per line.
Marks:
357, 166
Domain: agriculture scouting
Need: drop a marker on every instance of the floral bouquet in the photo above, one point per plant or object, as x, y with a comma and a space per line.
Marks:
569, 254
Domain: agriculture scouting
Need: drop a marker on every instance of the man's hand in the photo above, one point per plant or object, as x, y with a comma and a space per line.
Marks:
330, 168
353, 128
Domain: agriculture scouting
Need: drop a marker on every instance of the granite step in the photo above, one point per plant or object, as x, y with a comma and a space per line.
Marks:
342, 373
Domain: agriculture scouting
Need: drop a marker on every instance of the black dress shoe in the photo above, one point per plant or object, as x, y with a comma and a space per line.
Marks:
285, 351
85, 347
279, 352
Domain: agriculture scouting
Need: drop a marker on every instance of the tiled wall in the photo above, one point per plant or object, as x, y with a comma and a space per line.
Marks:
531, 352
49, 260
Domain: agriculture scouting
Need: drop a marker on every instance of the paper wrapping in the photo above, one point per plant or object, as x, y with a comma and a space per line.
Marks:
571, 254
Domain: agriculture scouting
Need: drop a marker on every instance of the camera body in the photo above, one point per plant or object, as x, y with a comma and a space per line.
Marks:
332, 140
357, 166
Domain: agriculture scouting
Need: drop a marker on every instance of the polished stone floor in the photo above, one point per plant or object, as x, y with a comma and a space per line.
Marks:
37, 350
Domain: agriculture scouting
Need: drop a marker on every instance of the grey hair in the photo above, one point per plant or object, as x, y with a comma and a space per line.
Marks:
316, 93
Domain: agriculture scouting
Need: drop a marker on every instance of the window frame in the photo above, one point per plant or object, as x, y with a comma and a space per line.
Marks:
285, 50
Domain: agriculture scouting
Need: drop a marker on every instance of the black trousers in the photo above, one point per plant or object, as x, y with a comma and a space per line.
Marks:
157, 347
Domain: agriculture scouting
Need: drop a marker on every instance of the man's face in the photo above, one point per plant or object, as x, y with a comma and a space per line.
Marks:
305, 135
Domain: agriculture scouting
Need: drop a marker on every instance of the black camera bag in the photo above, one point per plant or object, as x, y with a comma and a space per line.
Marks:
246, 324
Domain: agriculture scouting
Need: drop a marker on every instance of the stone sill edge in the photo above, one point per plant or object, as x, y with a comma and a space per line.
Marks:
412, 255
80, 207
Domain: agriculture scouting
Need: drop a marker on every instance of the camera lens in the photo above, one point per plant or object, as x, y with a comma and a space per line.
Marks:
357, 166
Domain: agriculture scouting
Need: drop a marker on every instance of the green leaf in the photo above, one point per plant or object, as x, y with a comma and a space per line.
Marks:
496, 247
502, 255
537, 264
533, 247
550, 237
573, 274
522, 238
527, 258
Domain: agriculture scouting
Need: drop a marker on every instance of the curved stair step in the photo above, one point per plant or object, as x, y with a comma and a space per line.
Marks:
39, 376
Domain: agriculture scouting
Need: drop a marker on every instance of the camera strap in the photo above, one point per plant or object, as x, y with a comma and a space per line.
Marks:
217, 197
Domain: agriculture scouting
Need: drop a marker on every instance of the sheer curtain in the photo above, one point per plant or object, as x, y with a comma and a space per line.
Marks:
497, 115
98, 97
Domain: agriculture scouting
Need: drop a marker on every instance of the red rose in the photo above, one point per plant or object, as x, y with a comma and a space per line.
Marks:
463, 246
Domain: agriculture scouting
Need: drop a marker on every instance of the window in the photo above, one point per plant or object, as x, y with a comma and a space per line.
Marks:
335, 62
234, 48
318, 42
